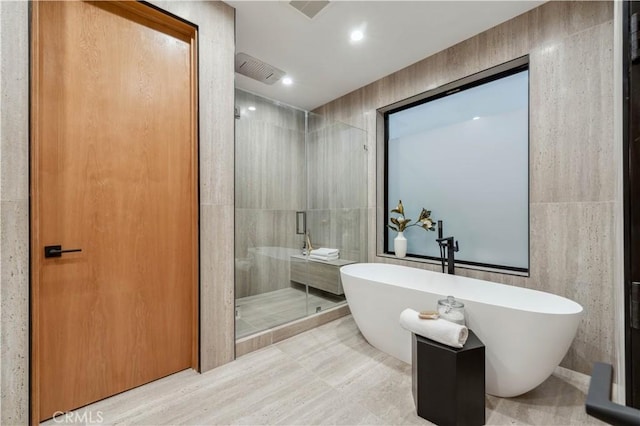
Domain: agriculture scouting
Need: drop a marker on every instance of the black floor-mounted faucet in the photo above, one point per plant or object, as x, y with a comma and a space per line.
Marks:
450, 246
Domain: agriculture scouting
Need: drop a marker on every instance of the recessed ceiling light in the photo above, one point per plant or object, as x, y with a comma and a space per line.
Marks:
287, 81
475, 118
357, 35
251, 108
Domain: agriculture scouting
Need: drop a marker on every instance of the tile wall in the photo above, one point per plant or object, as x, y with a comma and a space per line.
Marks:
572, 153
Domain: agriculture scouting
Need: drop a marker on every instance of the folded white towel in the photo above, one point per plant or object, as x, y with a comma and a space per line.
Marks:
443, 331
325, 258
325, 251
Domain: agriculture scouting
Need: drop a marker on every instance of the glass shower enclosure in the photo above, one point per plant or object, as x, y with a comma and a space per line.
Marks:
299, 178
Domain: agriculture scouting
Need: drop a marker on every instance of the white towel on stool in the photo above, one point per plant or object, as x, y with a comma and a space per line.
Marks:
442, 331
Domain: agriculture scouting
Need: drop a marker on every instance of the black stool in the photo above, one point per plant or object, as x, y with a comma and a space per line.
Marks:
448, 383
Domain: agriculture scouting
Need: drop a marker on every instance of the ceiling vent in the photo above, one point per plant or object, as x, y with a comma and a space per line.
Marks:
309, 8
256, 69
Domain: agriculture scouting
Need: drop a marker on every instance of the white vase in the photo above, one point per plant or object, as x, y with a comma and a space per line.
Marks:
400, 245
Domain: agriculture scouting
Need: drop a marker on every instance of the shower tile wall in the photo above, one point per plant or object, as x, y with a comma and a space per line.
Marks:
572, 155
337, 162
270, 188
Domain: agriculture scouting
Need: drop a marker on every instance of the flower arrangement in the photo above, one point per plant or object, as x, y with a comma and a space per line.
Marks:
400, 223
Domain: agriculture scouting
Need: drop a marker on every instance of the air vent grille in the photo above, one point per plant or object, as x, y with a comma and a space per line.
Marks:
254, 68
309, 8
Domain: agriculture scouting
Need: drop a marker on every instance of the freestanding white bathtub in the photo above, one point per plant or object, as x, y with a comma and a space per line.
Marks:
526, 333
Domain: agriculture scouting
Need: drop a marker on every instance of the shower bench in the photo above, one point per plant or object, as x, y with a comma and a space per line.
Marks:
320, 274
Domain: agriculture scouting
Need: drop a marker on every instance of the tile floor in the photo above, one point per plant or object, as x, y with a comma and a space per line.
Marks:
267, 310
328, 375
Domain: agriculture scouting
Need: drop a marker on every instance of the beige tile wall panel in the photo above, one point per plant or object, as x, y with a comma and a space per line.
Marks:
14, 336
572, 167
217, 333
572, 152
14, 212
578, 266
270, 161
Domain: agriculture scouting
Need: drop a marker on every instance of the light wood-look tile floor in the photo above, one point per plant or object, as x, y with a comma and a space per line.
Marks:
328, 375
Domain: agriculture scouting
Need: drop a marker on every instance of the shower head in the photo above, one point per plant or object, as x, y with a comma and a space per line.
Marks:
256, 69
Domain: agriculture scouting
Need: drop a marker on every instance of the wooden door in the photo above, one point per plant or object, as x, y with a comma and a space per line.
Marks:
113, 173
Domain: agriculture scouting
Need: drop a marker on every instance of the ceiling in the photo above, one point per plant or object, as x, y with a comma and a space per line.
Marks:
322, 61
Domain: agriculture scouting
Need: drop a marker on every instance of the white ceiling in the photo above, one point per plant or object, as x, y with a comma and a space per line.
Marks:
322, 61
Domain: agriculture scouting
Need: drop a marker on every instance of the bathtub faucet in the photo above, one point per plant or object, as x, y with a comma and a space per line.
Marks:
451, 247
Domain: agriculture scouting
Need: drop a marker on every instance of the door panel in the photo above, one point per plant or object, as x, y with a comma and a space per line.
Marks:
632, 204
114, 173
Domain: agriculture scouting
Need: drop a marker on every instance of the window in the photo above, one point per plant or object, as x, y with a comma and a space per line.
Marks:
462, 151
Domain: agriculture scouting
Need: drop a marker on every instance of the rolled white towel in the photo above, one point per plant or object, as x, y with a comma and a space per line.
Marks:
325, 251
442, 331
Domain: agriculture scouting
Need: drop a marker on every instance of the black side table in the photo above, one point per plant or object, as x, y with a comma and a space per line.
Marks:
449, 383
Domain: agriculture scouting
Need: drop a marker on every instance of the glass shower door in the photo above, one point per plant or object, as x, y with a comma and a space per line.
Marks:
336, 205
290, 161
270, 188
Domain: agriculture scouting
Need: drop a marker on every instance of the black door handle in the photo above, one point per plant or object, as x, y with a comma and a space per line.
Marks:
56, 251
